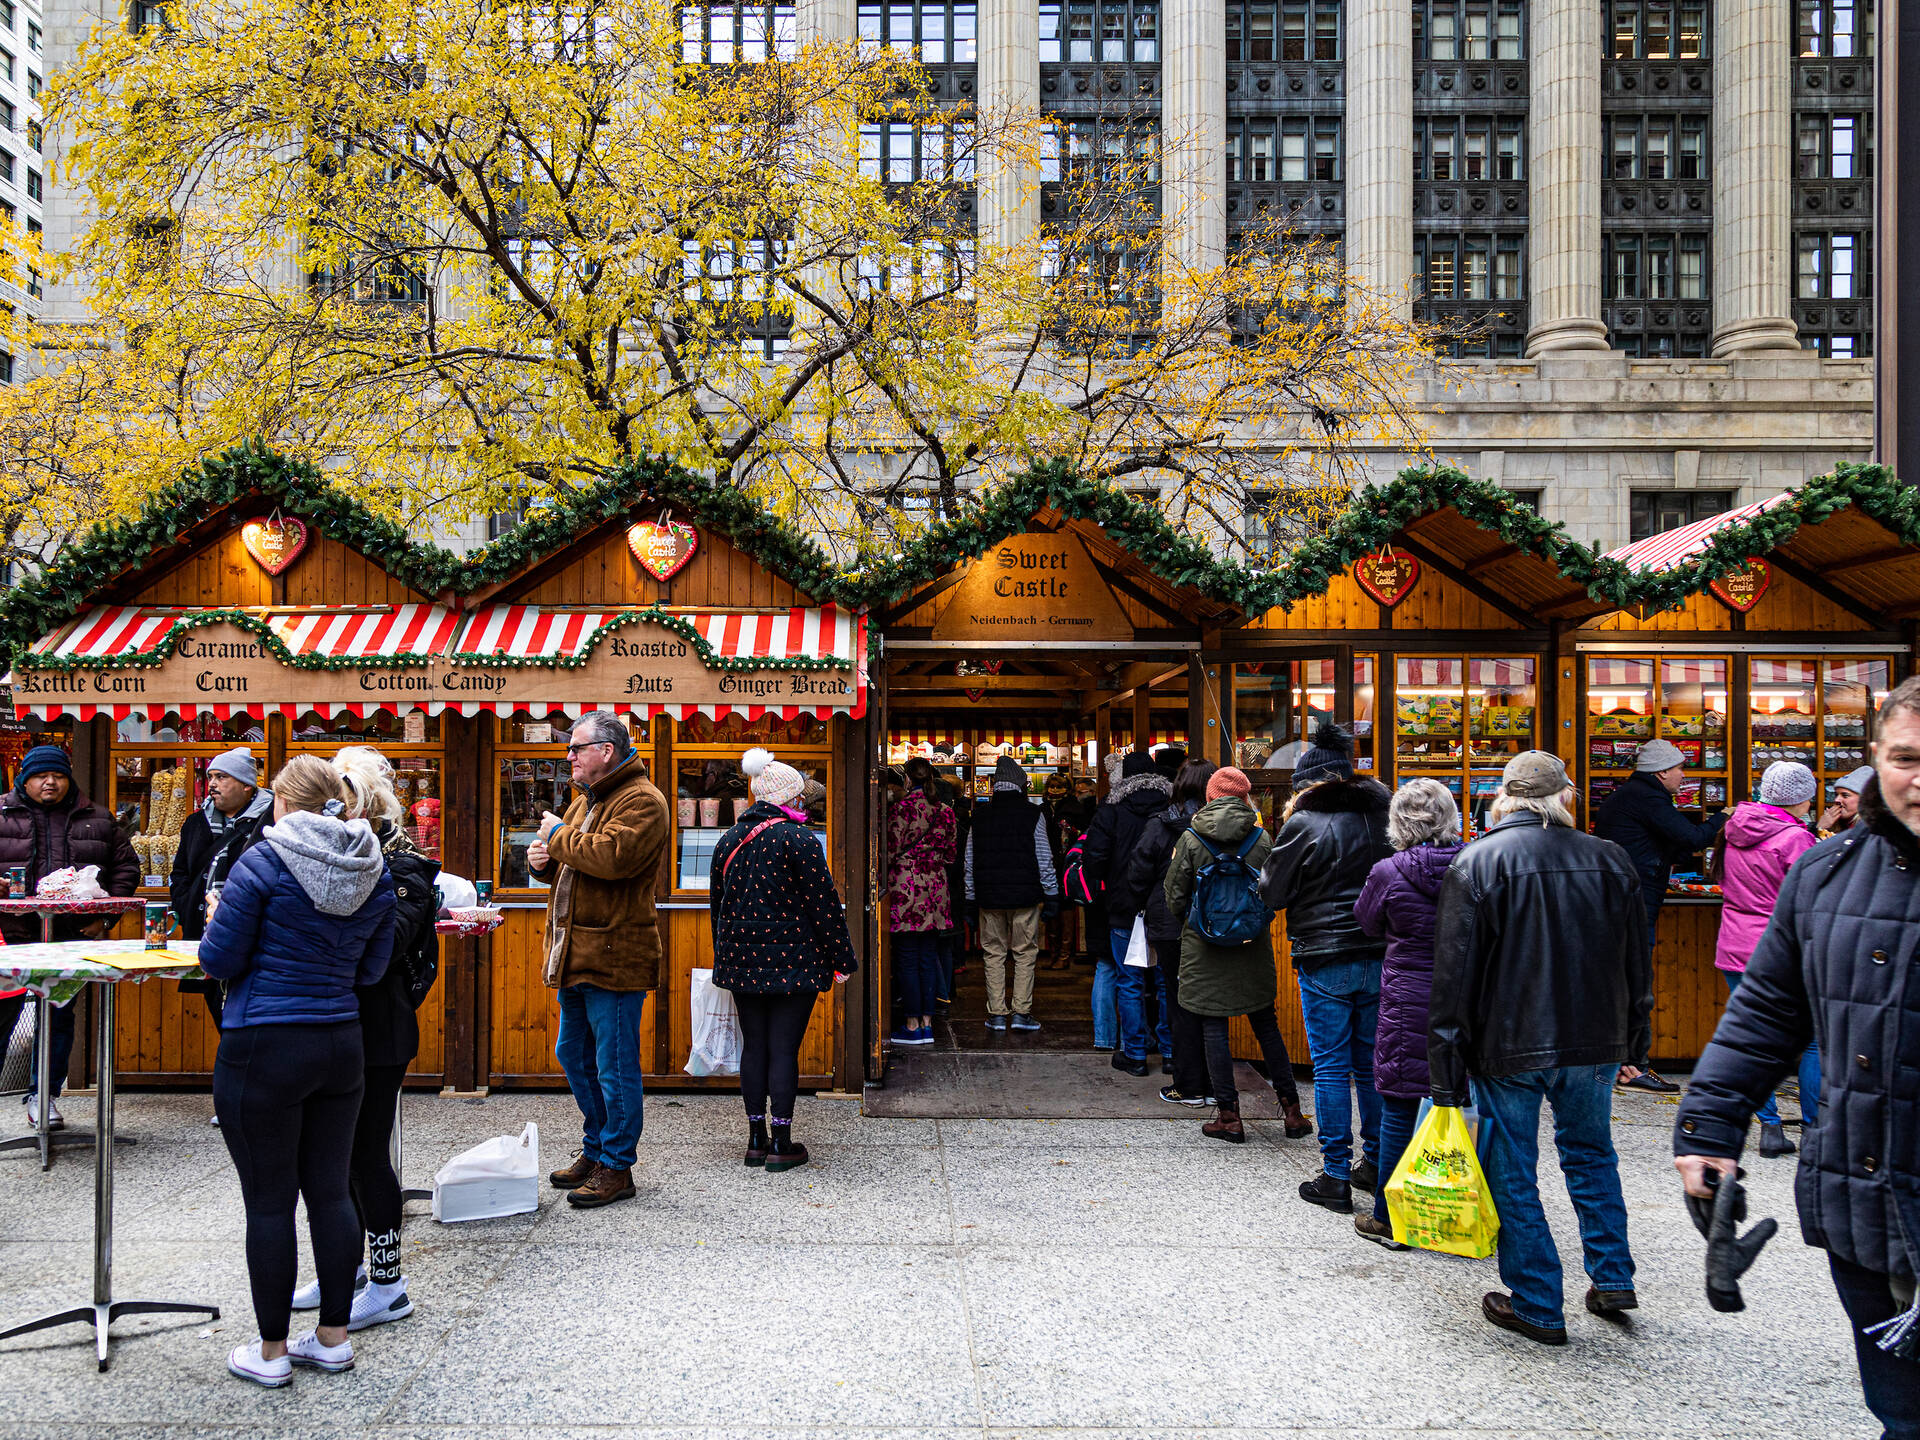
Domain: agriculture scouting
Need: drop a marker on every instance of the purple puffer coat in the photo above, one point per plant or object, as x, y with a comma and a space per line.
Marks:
1398, 903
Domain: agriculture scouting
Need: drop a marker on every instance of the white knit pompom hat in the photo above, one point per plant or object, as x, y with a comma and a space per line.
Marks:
771, 781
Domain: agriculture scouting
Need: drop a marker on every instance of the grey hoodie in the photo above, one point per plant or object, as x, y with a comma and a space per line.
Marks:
337, 862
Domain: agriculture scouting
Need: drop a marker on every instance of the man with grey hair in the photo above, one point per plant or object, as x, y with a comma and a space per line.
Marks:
1542, 986
603, 946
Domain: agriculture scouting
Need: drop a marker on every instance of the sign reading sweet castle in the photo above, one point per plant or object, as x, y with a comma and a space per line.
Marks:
129, 660
1039, 587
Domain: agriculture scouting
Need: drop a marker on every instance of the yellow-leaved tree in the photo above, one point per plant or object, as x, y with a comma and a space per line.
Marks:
467, 253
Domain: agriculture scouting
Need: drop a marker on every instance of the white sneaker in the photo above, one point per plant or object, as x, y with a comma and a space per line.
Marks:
214, 1120
246, 1362
377, 1304
307, 1350
55, 1120
307, 1297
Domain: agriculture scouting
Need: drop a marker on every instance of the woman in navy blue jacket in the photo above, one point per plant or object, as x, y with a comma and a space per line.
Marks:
305, 917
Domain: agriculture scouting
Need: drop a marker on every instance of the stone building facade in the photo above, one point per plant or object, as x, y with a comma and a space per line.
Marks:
1658, 213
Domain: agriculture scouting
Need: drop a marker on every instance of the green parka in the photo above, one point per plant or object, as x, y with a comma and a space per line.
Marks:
1217, 980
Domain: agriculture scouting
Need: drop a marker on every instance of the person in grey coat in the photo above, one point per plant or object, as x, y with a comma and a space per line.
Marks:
1834, 965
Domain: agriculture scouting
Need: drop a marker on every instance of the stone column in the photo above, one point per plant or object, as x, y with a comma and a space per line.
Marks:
1193, 136
1752, 177
1563, 192
1007, 194
1380, 149
825, 21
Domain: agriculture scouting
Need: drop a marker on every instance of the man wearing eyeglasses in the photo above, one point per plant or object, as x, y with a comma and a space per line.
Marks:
603, 946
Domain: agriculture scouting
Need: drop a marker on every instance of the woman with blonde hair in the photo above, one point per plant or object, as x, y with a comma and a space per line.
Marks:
304, 921
390, 1037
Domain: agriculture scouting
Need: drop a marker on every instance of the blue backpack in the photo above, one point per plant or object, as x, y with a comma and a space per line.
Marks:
1226, 907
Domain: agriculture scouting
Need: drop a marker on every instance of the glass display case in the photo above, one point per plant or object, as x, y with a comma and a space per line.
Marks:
1816, 711
1633, 700
410, 741
709, 792
1458, 720
159, 776
534, 773
1277, 704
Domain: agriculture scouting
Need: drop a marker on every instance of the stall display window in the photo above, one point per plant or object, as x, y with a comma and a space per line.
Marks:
410, 741
1278, 703
1460, 719
535, 775
710, 794
1817, 712
769, 730
159, 777
1041, 758
1633, 700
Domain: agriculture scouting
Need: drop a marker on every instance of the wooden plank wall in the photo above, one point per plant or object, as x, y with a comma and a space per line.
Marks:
223, 573
1787, 606
1435, 604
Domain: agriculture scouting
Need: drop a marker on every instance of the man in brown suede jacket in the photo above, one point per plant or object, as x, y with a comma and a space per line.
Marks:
603, 946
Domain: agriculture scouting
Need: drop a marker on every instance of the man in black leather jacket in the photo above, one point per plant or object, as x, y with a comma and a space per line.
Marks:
1542, 986
1335, 832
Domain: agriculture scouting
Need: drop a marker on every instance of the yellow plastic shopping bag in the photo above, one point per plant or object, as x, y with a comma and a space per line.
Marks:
1437, 1196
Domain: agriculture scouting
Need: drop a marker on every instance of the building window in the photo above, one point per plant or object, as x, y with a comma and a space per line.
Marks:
6, 167
36, 136
1652, 512
933, 32
7, 14
1655, 147
1658, 30
1261, 31
1083, 31
34, 34
33, 86
6, 63
901, 152
1477, 148
727, 34
1294, 150
1107, 151
1835, 147
1451, 30
6, 368
1831, 266
1529, 498
1834, 29
33, 186
1656, 267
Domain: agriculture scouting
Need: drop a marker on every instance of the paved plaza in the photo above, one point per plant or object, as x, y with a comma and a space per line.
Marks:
929, 1278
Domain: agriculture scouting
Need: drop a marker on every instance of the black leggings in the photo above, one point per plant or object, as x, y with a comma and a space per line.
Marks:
771, 1028
288, 1098
1189, 1042
376, 1189
1266, 1029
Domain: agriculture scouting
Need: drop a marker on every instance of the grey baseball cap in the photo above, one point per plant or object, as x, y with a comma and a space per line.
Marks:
1534, 775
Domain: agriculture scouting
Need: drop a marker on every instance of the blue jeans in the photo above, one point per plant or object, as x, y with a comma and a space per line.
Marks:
1106, 1003
599, 1048
1581, 1097
1397, 1117
1769, 1113
1132, 983
1341, 1006
916, 969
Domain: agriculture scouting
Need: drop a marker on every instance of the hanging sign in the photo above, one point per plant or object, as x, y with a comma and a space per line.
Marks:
1387, 575
1741, 589
1039, 588
274, 543
663, 547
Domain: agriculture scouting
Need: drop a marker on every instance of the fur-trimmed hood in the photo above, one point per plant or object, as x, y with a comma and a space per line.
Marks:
1879, 821
1358, 796
1152, 783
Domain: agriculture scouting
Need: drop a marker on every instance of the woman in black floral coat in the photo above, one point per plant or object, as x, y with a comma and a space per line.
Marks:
779, 939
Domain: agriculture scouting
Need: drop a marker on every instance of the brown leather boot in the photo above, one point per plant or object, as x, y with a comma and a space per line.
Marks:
603, 1187
1226, 1126
575, 1175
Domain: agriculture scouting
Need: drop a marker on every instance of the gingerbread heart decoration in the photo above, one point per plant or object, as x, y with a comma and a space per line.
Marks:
1741, 589
663, 547
274, 544
1387, 575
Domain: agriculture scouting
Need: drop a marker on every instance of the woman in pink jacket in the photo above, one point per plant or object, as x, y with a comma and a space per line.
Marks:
1762, 840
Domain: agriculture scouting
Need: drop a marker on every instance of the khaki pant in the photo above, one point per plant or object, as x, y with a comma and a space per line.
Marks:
1017, 931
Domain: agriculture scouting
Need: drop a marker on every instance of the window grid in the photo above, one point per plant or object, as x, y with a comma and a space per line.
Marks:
1091, 151
1657, 30
740, 33
933, 32
1472, 148
1294, 150
1264, 31
902, 152
1081, 32
1653, 512
1655, 147
1446, 31
1834, 29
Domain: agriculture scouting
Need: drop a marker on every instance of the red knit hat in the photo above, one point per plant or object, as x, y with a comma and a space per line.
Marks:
1229, 781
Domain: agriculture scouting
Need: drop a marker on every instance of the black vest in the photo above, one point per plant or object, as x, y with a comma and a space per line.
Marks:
1006, 871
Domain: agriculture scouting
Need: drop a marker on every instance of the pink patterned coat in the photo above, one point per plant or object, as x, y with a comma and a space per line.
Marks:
920, 838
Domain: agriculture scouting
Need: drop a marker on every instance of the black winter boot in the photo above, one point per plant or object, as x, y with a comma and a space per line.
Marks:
756, 1140
786, 1153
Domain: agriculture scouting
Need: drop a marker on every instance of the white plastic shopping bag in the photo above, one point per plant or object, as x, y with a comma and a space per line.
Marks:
500, 1176
716, 1028
1139, 953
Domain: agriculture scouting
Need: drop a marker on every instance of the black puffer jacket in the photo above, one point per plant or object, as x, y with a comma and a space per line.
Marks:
1540, 958
1115, 831
778, 925
45, 838
203, 856
387, 1024
1835, 964
1641, 818
1335, 833
1142, 887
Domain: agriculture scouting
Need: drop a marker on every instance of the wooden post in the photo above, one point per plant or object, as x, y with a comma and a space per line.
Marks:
461, 851
1200, 740
1102, 744
1142, 718
1228, 724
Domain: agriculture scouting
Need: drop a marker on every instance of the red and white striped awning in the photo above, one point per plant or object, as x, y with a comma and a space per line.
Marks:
1783, 672
1675, 547
1483, 674
1693, 672
1619, 674
117, 631
1856, 672
1320, 673
527, 631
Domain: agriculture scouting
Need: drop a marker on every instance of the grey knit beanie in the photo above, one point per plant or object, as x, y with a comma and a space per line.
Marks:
1788, 782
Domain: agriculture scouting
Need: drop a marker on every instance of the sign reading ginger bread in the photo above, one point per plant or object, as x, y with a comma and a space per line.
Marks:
1033, 589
